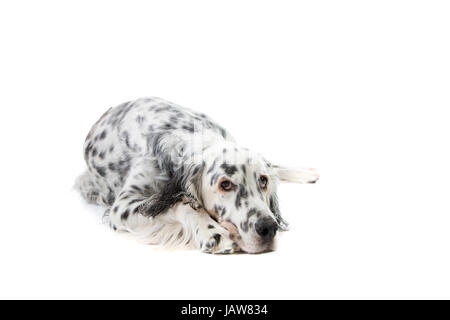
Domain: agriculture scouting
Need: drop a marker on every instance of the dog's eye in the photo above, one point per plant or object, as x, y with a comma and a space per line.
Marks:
263, 182
226, 185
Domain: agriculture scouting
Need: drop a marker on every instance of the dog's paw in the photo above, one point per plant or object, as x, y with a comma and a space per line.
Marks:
215, 240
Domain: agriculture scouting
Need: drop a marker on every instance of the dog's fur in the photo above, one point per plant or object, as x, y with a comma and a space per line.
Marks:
159, 169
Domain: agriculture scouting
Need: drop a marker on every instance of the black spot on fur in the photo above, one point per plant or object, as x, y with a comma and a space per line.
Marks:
242, 194
210, 226
168, 126
217, 237
134, 187
101, 171
140, 119
214, 178
173, 119
102, 135
134, 201
229, 169
123, 166
220, 210
111, 198
87, 151
125, 215
212, 166
161, 107
196, 169
251, 212
223, 132
188, 127
126, 138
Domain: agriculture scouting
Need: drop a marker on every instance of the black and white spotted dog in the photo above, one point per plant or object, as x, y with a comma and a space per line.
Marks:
172, 176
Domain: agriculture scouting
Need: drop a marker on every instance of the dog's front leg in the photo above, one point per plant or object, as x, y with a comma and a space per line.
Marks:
180, 224
126, 214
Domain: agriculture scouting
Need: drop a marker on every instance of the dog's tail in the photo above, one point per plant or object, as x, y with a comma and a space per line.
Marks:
87, 188
297, 175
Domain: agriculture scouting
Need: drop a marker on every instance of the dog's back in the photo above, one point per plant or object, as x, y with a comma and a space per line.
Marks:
150, 128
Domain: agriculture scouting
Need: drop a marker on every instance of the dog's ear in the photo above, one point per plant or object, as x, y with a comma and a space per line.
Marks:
193, 185
274, 207
184, 185
296, 175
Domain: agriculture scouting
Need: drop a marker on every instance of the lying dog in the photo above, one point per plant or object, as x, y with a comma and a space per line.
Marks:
172, 176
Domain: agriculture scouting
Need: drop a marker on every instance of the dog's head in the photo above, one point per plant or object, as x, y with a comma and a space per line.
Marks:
238, 188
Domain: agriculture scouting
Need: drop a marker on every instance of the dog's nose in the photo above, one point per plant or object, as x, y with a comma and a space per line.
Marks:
266, 228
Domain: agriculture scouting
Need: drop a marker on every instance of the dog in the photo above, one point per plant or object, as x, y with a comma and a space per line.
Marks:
173, 177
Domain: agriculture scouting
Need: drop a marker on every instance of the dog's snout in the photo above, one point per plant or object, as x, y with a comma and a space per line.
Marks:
266, 228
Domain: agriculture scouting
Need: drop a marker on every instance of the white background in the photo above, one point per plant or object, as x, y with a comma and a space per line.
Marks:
358, 89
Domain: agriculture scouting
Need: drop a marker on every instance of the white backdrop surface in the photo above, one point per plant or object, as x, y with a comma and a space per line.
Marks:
358, 89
